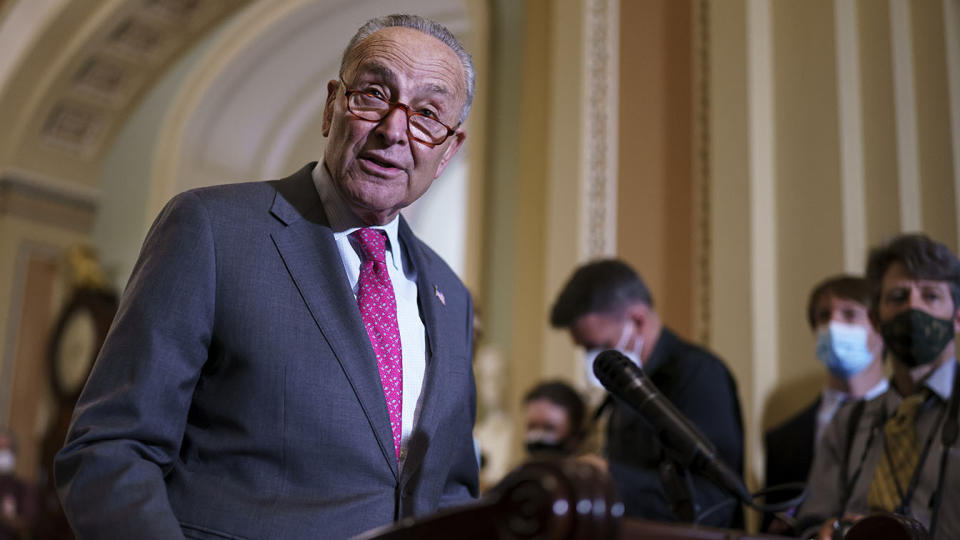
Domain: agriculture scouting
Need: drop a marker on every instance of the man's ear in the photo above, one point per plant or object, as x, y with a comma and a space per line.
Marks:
956, 320
333, 90
458, 137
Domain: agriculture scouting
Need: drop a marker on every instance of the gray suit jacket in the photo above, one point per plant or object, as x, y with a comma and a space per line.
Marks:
237, 394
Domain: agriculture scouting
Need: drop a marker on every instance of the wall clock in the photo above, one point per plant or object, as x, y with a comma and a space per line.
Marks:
76, 339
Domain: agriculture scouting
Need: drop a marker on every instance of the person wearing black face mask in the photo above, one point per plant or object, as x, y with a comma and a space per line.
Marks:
898, 453
553, 413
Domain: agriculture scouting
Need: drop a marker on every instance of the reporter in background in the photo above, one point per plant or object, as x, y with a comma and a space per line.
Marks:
851, 350
606, 305
889, 453
554, 416
18, 504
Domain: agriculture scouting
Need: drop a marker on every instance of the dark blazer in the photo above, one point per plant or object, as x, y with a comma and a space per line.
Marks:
789, 449
702, 388
237, 394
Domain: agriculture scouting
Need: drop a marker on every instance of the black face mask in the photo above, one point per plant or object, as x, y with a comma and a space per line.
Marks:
916, 337
547, 448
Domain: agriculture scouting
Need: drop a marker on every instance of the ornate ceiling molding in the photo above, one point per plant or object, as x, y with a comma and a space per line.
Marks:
86, 72
51, 202
118, 64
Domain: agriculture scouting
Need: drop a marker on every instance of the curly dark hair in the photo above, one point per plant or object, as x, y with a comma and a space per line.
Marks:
921, 256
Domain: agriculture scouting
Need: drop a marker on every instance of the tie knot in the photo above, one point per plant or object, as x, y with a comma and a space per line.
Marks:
373, 244
910, 406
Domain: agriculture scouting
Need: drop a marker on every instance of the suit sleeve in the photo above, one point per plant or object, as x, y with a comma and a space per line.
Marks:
129, 422
462, 483
709, 400
770, 468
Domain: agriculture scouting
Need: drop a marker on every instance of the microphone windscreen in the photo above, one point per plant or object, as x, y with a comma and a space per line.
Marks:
610, 366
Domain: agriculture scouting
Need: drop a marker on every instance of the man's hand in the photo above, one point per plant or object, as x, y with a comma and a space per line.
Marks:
831, 526
595, 461
778, 526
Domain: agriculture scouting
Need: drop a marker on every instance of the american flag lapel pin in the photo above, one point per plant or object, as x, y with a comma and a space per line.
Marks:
439, 294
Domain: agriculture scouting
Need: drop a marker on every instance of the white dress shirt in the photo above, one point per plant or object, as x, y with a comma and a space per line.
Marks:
413, 343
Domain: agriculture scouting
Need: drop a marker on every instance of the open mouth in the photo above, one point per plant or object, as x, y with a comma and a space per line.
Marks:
379, 163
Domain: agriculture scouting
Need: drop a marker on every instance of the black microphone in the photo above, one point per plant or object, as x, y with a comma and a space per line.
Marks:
693, 451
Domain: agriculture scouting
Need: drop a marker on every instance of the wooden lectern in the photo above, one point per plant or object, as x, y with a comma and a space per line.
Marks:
547, 500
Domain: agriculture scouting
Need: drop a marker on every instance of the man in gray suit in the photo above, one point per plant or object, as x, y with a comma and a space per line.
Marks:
289, 360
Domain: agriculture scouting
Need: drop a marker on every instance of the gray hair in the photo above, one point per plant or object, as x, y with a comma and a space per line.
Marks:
421, 24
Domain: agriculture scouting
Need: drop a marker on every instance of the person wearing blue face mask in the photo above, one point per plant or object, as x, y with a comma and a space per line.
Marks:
898, 452
606, 305
851, 350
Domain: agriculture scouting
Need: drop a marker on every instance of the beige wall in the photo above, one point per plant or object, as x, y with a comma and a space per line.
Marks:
730, 291
655, 184
938, 185
879, 122
813, 116
808, 187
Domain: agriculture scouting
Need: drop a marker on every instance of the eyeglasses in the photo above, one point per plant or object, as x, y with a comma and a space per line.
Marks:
373, 108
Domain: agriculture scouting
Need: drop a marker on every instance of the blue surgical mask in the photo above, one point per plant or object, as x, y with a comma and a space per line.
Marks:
843, 349
633, 354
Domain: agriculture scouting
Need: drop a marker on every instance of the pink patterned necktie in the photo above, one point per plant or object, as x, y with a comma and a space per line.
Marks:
378, 308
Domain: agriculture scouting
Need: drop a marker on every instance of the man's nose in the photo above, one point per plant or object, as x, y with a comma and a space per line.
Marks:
393, 126
916, 299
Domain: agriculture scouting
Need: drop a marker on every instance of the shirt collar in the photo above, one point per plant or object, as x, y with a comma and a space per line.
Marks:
878, 389
834, 397
343, 221
941, 380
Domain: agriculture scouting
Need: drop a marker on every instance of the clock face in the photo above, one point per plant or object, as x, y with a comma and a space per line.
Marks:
75, 350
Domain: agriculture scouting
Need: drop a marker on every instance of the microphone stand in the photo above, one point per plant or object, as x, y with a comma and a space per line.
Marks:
677, 489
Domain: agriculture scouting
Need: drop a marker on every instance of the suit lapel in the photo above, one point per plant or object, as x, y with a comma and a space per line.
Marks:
809, 432
310, 254
431, 309
427, 292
